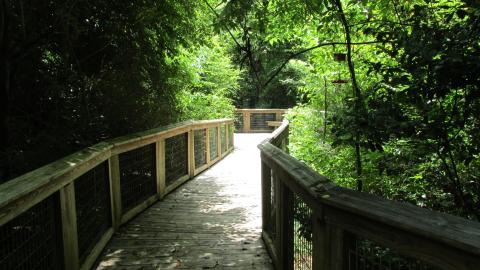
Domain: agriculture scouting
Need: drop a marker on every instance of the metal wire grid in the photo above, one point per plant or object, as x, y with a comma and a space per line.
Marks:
200, 147
368, 255
137, 176
230, 136
223, 138
239, 121
302, 234
92, 199
213, 142
176, 157
258, 121
33, 239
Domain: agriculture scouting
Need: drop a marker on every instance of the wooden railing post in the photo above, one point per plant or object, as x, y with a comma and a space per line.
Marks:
246, 122
115, 191
226, 136
278, 116
284, 225
266, 195
191, 154
219, 140
233, 135
320, 252
160, 167
207, 145
69, 227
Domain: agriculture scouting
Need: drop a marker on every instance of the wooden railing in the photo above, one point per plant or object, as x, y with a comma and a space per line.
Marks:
258, 120
62, 215
309, 223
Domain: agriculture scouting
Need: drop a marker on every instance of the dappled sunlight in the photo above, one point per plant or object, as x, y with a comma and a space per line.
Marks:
212, 221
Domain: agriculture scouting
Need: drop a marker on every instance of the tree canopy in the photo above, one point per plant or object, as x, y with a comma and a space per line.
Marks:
385, 94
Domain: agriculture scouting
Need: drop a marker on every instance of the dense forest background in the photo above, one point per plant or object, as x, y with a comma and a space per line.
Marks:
385, 94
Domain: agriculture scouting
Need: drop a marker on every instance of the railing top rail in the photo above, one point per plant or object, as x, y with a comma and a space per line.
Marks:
40, 183
261, 110
319, 192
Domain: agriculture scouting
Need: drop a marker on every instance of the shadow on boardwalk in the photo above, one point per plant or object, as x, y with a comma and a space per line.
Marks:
211, 222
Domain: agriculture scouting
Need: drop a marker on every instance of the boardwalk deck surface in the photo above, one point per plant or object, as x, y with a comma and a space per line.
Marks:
211, 222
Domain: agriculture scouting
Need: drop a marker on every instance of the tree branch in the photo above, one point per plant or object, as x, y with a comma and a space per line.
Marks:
224, 26
293, 55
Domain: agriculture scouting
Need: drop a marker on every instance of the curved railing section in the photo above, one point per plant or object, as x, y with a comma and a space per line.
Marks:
62, 215
309, 223
258, 120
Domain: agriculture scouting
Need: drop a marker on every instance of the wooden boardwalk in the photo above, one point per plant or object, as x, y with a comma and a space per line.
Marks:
211, 222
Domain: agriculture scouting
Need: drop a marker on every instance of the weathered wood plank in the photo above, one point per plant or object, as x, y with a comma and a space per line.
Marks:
214, 220
69, 227
274, 123
115, 195
160, 168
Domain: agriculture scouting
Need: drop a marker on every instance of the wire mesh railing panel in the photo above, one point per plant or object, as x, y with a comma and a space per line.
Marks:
239, 121
302, 234
230, 136
137, 176
200, 147
223, 138
368, 255
258, 121
176, 157
212, 135
92, 199
33, 239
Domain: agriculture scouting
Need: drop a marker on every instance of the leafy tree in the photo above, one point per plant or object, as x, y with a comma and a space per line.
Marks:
75, 72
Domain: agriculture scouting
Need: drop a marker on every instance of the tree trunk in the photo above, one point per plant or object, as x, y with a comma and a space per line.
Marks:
356, 92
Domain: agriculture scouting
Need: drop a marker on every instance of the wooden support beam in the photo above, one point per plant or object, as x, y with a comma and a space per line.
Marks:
115, 191
191, 154
69, 227
233, 135
284, 224
226, 136
279, 116
160, 167
246, 122
266, 195
320, 242
219, 141
207, 146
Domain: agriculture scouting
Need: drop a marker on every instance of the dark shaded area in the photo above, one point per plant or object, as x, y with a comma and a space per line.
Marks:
77, 72
92, 201
200, 147
176, 159
33, 240
138, 180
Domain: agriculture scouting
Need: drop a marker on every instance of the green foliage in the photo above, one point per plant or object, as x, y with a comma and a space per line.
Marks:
201, 106
76, 72
418, 121
405, 123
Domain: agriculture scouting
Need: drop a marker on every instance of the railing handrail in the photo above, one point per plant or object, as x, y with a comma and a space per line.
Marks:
261, 110
22, 192
409, 229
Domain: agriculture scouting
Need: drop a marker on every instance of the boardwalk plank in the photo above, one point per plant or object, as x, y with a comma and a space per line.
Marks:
211, 222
